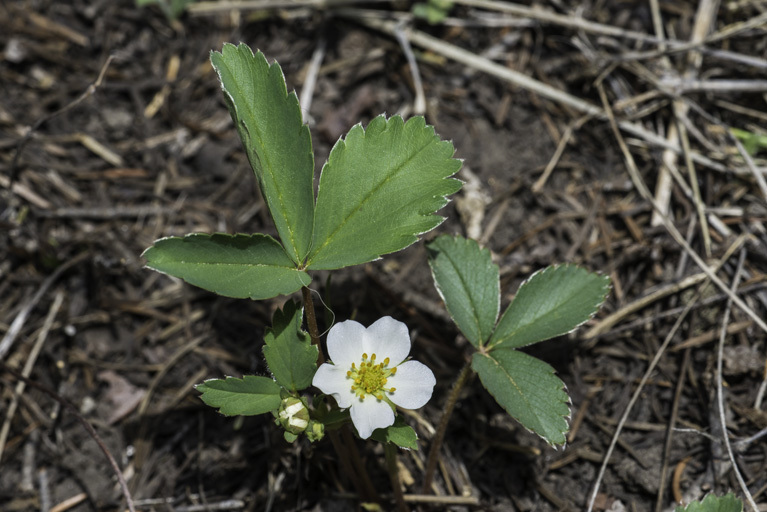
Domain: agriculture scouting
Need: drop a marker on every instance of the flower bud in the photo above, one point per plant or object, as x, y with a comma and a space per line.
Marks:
293, 415
316, 431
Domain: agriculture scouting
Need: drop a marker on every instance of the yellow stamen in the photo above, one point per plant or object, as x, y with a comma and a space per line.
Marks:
370, 378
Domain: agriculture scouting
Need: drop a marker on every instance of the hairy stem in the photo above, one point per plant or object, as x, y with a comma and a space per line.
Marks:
349, 457
369, 490
390, 449
311, 322
436, 444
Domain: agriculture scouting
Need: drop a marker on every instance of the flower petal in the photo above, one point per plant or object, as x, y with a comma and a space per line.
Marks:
370, 414
388, 337
332, 380
345, 343
414, 383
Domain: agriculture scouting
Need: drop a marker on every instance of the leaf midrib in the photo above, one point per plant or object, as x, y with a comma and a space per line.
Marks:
535, 319
375, 189
474, 308
288, 267
260, 139
519, 390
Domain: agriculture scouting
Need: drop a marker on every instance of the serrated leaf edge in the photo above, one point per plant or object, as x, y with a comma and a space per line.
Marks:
597, 306
224, 379
266, 344
342, 141
567, 402
268, 168
482, 250
211, 235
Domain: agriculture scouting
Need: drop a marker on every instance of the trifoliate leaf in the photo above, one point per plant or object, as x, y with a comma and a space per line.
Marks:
240, 266
528, 389
400, 433
247, 396
289, 352
277, 142
713, 503
468, 282
379, 190
552, 302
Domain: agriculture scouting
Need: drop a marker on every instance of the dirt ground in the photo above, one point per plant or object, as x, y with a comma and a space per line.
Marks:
90, 177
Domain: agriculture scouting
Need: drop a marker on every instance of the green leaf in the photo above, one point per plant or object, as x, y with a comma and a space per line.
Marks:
247, 396
379, 190
289, 352
278, 144
713, 503
552, 302
435, 11
528, 389
400, 433
467, 280
239, 266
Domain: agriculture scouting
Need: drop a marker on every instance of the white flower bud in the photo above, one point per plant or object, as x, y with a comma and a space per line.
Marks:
293, 415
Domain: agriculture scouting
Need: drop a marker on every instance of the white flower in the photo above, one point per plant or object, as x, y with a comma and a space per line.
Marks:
369, 373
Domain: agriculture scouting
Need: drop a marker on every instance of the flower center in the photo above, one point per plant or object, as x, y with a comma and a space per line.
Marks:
370, 378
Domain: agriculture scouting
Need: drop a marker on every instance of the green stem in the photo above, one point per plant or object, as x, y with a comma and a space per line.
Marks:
369, 491
436, 444
349, 457
311, 322
390, 449
343, 460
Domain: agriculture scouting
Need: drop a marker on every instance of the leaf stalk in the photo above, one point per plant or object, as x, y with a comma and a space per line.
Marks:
439, 437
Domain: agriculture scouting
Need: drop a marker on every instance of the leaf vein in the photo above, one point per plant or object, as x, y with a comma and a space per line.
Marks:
268, 168
372, 192
474, 307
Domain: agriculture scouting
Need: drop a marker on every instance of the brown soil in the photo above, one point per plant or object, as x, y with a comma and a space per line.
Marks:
153, 153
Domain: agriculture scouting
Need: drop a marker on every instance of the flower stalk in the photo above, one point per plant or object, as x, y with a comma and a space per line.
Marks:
390, 451
351, 463
311, 322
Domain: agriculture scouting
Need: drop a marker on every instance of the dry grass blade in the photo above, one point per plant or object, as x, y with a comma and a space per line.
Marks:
635, 396
69, 106
719, 385
419, 105
665, 46
208, 8
10, 336
671, 228
88, 427
307, 91
27, 370
704, 18
514, 77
